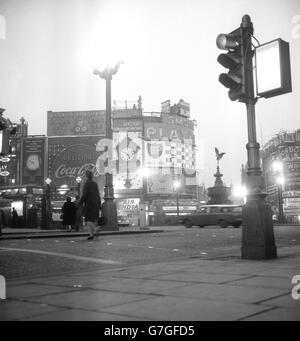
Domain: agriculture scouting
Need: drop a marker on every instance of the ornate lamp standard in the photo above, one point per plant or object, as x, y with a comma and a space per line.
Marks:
78, 180
177, 186
144, 173
46, 206
278, 172
109, 209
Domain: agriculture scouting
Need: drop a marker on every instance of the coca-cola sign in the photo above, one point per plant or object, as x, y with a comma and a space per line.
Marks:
73, 162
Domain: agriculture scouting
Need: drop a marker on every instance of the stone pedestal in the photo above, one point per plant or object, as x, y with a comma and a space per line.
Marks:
219, 194
109, 209
258, 240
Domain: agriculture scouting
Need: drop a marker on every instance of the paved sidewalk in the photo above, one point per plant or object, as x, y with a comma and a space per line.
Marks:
12, 233
194, 289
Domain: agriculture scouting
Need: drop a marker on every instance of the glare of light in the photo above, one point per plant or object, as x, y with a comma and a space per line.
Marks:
240, 191
112, 37
63, 189
176, 184
277, 166
144, 172
280, 180
268, 67
48, 181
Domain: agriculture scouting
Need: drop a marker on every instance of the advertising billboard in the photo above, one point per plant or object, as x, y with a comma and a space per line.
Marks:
76, 123
70, 157
33, 160
128, 148
292, 173
170, 127
126, 113
123, 124
170, 142
160, 184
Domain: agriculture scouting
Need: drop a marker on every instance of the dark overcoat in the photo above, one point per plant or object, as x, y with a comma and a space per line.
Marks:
91, 200
69, 211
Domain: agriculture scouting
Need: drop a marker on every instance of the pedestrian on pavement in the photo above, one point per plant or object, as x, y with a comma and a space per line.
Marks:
78, 215
68, 211
92, 203
15, 216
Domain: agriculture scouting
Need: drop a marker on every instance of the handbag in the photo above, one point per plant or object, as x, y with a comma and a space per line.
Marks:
101, 221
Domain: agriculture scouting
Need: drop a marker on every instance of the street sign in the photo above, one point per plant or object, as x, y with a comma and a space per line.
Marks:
273, 70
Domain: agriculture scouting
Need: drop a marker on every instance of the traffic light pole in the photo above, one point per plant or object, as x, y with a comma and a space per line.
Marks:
258, 240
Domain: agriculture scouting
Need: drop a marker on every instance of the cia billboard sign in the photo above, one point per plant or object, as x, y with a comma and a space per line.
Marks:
273, 70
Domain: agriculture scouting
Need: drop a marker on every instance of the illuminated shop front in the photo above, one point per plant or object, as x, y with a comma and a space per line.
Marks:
27, 202
281, 166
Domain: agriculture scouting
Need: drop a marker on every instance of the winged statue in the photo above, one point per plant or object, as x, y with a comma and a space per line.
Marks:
218, 155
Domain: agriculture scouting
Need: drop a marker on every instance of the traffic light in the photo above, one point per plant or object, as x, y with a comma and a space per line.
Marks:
4, 142
234, 60
7, 130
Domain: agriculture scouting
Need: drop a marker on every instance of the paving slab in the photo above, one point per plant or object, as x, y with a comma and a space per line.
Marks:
265, 282
198, 277
80, 315
140, 273
140, 286
225, 269
282, 272
185, 309
285, 301
277, 314
13, 310
32, 290
70, 281
88, 299
221, 292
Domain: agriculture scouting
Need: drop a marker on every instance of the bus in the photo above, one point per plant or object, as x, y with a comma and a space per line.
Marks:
167, 212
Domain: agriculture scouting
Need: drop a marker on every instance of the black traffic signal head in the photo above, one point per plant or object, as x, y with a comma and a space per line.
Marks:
233, 60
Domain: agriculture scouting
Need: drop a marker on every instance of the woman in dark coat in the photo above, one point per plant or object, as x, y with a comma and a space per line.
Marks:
69, 212
92, 203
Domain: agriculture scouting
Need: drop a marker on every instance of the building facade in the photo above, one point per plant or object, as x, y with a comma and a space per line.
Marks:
149, 152
285, 149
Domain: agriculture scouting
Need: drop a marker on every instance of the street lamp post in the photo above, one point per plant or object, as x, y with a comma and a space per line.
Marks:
46, 206
109, 209
144, 174
177, 185
279, 179
281, 217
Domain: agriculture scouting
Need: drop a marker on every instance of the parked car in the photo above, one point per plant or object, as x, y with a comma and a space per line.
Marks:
222, 215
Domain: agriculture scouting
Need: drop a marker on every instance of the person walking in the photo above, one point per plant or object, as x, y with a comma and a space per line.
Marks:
78, 214
15, 216
92, 203
68, 211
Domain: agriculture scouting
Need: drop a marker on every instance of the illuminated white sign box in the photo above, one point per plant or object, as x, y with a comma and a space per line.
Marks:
273, 69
